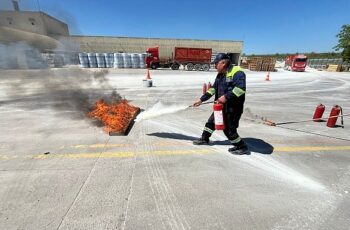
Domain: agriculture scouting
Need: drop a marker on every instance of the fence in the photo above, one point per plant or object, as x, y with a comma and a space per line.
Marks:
325, 62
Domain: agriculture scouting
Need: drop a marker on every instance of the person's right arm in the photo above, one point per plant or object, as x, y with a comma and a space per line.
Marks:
210, 92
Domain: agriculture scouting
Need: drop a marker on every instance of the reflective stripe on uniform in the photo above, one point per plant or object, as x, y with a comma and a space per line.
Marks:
211, 91
208, 130
238, 139
238, 91
232, 72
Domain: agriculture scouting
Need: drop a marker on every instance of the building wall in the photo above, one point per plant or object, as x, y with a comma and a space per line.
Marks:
102, 44
54, 27
26, 21
34, 22
139, 45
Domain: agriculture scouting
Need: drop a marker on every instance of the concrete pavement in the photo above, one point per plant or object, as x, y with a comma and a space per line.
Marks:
297, 176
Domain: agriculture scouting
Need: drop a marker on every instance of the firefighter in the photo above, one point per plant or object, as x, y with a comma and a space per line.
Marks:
229, 89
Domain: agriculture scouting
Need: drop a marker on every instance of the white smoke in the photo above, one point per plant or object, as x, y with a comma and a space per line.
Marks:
159, 109
20, 55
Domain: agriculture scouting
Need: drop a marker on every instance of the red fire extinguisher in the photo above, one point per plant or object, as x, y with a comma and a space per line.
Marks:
218, 117
333, 116
319, 112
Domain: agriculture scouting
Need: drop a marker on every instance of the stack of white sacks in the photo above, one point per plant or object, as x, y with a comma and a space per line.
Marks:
112, 60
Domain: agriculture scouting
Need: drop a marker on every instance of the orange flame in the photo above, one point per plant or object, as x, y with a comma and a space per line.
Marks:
115, 117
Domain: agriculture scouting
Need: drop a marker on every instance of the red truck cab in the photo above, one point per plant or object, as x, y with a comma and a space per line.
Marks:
152, 58
296, 63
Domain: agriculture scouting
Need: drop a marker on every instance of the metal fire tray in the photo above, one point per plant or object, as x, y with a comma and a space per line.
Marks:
128, 127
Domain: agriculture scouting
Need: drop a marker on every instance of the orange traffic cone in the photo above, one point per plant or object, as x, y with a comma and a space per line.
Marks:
267, 76
209, 85
148, 75
204, 88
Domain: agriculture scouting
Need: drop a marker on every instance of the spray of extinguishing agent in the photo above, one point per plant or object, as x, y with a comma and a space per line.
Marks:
160, 108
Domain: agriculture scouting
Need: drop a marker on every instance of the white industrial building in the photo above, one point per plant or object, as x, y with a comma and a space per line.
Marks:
50, 35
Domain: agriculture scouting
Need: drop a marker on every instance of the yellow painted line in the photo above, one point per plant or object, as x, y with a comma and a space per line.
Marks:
167, 143
7, 157
311, 148
87, 155
166, 152
122, 154
120, 145
98, 146
178, 152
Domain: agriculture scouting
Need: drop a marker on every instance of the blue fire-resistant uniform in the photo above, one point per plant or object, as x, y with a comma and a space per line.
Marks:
232, 84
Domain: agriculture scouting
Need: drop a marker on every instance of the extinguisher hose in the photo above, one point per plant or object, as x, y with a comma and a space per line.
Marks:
342, 117
203, 103
292, 122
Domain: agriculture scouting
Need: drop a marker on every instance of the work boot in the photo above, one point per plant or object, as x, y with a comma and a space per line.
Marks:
239, 150
201, 141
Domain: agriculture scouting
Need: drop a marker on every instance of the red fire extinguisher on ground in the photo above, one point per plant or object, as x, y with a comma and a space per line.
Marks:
333, 116
319, 112
218, 116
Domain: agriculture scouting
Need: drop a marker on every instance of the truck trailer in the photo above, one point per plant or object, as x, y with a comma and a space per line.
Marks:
192, 58
295, 62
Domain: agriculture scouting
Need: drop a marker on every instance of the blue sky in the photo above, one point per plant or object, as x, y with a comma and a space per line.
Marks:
265, 27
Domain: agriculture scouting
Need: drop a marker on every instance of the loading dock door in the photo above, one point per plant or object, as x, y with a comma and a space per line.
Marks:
234, 58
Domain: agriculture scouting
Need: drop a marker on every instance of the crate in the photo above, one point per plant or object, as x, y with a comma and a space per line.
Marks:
271, 67
261, 63
252, 66
244, 65
265, 67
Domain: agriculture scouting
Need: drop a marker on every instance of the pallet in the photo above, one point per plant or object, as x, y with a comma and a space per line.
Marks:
244, 65
334, 68
271, 67
261, 63
252, 67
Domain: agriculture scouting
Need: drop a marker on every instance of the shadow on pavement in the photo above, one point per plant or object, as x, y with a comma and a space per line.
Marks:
254, 144
258, 145
176, 136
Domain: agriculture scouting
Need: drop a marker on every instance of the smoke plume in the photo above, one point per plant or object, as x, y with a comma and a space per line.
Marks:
70, 92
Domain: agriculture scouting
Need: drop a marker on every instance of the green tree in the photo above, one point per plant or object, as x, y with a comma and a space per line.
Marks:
344, 42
